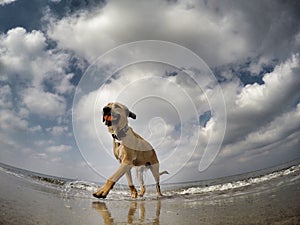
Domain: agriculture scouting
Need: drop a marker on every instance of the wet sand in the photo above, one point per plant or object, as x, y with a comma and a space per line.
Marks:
25, 202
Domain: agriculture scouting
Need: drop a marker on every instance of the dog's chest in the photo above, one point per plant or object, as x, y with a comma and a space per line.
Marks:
118, 150
136, 142
121, 152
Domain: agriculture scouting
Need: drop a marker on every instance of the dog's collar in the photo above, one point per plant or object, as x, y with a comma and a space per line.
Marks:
121, 133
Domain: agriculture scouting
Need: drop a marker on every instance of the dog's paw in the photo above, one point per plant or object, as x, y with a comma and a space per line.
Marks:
101, 192
104, 190
97, 195
142, 191
133, 192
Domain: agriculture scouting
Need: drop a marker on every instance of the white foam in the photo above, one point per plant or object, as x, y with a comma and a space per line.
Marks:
239, 184
81, 185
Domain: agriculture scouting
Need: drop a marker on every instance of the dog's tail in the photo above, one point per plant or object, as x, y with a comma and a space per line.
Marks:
163, 172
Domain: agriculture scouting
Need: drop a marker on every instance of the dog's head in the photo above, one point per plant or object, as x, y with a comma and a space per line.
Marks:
115, 116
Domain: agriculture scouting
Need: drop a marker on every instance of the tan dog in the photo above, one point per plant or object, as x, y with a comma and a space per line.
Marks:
130, 149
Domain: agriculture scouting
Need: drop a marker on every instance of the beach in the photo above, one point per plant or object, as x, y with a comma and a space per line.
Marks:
28, 201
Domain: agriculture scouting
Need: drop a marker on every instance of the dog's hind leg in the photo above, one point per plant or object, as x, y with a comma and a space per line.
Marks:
130, 184
139, 173
155, 171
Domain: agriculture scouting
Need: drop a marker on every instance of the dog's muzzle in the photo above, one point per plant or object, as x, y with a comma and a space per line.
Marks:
109, 118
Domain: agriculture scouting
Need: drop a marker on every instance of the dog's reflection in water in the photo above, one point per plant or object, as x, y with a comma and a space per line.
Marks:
140, 205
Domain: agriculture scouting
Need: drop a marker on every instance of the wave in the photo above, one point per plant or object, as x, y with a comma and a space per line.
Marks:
7, 171
37, 177
80, 185
83, 189
79, 189
241, 183
50, 180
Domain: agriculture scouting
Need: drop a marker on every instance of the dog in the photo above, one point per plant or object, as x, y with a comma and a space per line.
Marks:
130, 149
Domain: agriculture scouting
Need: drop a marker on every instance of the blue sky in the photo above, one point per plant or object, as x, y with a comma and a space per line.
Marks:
251, 47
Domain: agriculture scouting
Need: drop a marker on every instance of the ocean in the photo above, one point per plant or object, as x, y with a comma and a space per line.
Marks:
270, 196
79, 188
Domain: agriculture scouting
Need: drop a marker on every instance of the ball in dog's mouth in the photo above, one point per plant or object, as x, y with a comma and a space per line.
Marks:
109, 118
108, 123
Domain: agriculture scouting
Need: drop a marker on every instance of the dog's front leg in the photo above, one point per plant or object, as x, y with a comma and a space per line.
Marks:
104, 190
133, 191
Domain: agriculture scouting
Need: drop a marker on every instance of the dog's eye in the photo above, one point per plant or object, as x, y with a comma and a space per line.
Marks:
117, 106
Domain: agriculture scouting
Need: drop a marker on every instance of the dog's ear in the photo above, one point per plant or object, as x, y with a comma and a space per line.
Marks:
132, 115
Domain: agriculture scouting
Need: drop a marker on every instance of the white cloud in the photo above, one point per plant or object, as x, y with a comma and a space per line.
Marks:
59, 148
42, 143
255, 105
33, 90
219, 32
57, 130
4, 2
279, 86
278, 129
63, 86
262, 118
44, 103
22, 53
27, 63
40, 156
90, 34
275, 132
10, 122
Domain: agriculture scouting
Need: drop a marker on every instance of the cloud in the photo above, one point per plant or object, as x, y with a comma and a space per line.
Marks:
10, 122
5, 2
59, 149
58, 130
219, 32
279, 87
37, 73
35, 84
44, 103
5, 97
254, 106
118, 22
24, 56
277, 131
262, 120
40, 156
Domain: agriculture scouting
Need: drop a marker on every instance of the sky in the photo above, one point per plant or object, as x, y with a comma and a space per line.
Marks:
215, 84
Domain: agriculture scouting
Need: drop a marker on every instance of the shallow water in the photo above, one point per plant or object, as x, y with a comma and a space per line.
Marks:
254, 198
235, 185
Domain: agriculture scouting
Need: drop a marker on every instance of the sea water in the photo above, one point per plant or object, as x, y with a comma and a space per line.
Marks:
213, 189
